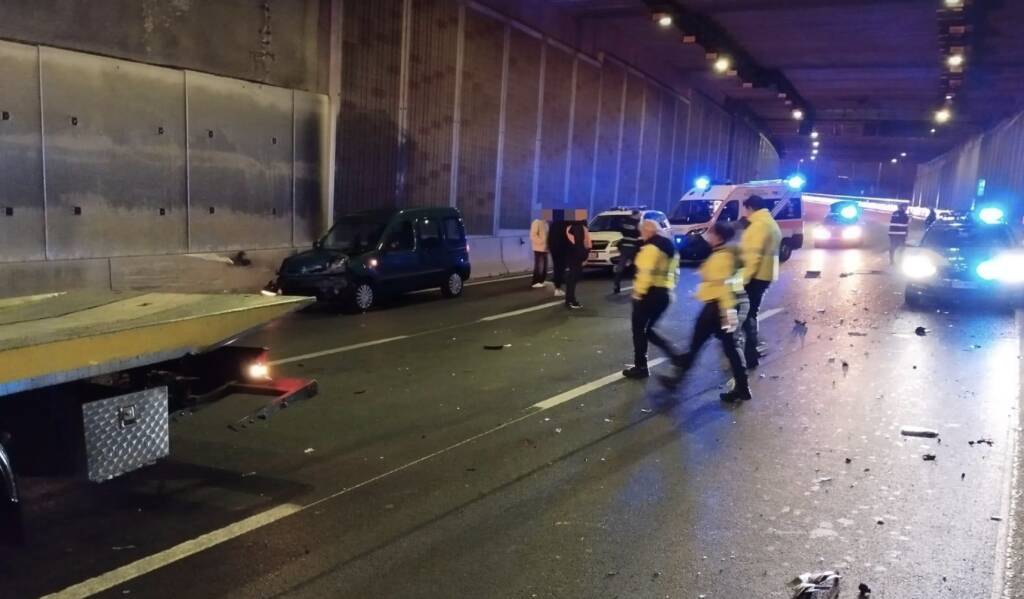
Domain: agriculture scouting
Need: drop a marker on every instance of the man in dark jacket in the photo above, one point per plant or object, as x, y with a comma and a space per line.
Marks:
899, 226
628, 246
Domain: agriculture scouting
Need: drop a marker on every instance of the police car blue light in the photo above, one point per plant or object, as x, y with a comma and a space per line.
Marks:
796, 182
849, 212
991, 215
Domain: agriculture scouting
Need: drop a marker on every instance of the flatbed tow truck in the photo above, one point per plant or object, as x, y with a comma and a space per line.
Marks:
90, 382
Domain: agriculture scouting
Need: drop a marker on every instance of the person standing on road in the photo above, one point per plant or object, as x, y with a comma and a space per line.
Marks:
657, 268
557, 247
931, 218
539, 242
579, 244
720, 277
759, 250
628, 247
899, 226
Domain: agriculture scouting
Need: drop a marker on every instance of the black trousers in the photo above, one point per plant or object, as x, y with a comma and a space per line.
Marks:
646, 312
709, 324
558, 269
896, 244
626, 258
540, 267
755, 292
573, 276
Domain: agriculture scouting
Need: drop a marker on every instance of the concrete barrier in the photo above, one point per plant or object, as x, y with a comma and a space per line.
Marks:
485, 257
517, 253
196, 272
30, 278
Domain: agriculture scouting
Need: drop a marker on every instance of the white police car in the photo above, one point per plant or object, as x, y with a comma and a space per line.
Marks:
973, 256
606, 232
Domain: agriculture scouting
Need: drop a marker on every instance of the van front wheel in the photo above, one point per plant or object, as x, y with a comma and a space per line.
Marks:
785, 251
453, 285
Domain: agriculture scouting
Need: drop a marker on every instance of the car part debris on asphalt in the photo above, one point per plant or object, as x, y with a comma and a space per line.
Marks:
917, 431
864, 589
920, 331
820, 585
812, 274
929, 457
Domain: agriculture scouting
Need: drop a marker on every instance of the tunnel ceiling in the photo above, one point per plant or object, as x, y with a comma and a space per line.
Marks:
871, 73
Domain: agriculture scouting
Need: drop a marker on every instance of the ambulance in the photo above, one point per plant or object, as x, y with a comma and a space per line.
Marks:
709, 203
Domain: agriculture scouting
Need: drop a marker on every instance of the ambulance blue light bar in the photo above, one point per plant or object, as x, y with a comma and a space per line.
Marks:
702, 183
991, 215
796, 182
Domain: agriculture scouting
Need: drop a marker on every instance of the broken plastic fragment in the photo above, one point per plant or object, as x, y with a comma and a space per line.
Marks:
812, 274
308, 450
928, 457
821, 585
917, 431
864, 589
920, 331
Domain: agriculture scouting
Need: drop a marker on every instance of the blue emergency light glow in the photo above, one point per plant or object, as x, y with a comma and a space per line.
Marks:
849, 212
702, 183
796, 182
991, 215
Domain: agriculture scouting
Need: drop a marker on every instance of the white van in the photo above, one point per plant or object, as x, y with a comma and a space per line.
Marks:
707, 204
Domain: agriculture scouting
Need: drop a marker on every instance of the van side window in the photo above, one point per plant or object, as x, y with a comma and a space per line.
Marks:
790, 209
454, 232
401, 239
730, 213
429, 232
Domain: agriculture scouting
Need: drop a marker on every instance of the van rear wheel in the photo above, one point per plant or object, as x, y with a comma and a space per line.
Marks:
453, 285
785, 251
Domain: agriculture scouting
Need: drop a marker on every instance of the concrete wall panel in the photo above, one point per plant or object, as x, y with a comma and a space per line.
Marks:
584, 133
311, 153
432, 61
663, 182
369, 148
113, 137
633, 122
21, 158
240, 164
481, 108
613, 81
521, 100
682, 167
651, 141
554, 149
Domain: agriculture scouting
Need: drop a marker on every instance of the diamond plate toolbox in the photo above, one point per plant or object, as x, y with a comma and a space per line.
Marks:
124, 433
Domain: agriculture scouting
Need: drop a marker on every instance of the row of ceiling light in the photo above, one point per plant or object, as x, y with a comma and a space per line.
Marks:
723, 64
954, 24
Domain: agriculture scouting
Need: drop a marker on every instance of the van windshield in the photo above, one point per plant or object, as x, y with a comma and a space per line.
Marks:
355, 234
692, 212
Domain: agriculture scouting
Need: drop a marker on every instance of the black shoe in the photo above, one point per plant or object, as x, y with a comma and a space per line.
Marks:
735, 395
636, 373
574, 306
616, 291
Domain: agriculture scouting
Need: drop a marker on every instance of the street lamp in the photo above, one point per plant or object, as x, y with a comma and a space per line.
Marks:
798, 114
723, 64
955, 61
943, 116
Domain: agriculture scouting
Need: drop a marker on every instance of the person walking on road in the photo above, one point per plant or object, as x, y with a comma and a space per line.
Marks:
579, 244
557, 247
657, 268
899, 226
539, 242
720, 277
628, 247
759, 250
931, 218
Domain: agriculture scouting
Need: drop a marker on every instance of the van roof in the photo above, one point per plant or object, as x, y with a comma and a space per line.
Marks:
770, 188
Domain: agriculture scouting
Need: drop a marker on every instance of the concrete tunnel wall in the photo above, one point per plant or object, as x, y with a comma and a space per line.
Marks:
112, 177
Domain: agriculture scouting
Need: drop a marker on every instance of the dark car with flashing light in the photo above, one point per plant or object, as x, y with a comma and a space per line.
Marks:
373, 254
967, 258
840, 228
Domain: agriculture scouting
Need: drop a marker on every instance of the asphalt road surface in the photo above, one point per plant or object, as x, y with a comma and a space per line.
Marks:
431, 467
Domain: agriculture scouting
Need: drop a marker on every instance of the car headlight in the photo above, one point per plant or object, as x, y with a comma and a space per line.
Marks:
919, 266
822, 234
1006, 268
336, 266
850, 233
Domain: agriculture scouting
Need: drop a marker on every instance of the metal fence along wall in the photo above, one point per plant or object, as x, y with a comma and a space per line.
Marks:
446, 103
103, 158
988, 167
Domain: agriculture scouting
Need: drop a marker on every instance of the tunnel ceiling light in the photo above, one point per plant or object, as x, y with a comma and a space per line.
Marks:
722, 64
814, 135
663, 19
816, 144
955, 61
954, 3
943, 115
814, 157
814, 151
903, 154
949, 96
798, 114
933, 131
894, 160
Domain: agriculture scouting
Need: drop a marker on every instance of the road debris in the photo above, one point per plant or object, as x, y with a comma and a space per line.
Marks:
812, 274
920, 331
988, 442
846, 367
864, 589
857, 334
917, 431
929, 457
497, 347
122, 547
996, 519
308, 450
849, 460
820, 585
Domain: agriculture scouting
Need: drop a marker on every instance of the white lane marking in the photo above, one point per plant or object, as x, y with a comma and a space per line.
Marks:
769, 313
523, 311
339, 350
475, 283
572, 394
211, 539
